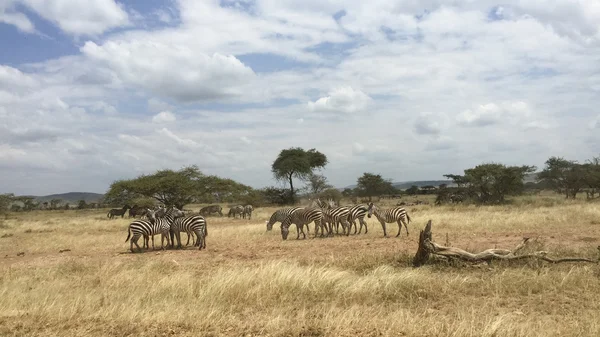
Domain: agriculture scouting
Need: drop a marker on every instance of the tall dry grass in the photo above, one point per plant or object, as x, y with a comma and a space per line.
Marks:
251, 283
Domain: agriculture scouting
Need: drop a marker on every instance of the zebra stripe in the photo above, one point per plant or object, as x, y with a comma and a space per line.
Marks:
192, 224
149, 228
303, 217
280, 215
358, 212
396, 214
335, 216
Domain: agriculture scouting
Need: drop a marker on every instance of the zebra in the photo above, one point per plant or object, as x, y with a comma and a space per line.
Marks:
148, 228
248, 211
322, 204
395, 214
236, 210
208, 210
117, 212
337, 215
191, 224
280, 215
358, 212
303, 217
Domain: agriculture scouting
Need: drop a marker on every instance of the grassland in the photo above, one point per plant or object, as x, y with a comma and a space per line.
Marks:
251, 283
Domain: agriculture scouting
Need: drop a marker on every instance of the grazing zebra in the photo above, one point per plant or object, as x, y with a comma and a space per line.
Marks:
248, 211
280, 215
336, 215
303, 217
395, 214
148, 228
235, 210
358, 212
208, 210
191, 224
117, 212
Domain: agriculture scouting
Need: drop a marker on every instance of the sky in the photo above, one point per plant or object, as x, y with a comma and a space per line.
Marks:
98, 90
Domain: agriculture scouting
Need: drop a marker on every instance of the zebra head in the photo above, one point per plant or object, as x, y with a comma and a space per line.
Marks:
285, 227
371, 209
175, 212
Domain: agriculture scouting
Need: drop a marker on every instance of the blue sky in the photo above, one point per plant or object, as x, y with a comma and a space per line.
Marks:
95, 91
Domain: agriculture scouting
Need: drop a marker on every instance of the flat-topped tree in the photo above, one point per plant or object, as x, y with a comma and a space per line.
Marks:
297, 163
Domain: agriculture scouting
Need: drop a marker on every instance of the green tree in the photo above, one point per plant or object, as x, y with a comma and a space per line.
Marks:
317, 183
82, 204
492, 182
565, 176
54, 203
5, 201
370, 185
297, 163
175, 188
331, 194
413, 190
347, 192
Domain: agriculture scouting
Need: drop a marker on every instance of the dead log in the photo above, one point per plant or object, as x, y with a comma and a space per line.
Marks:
427, 247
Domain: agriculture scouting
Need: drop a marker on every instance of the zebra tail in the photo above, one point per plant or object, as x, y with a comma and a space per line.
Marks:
128, 233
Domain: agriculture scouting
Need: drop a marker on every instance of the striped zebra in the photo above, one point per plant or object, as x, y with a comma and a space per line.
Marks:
191, 224
235, 210
322, 204
358, 212
396, 214
280, 215
248, 211
301, 218
148, 228
335, 216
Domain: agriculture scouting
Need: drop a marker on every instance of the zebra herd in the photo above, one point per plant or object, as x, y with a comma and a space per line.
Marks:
169, 223
327, 218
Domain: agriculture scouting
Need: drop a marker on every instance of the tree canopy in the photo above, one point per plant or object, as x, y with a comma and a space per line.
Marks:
176, 188
370, 185
297, 163
490, 183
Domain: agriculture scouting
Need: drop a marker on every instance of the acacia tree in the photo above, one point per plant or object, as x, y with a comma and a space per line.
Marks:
317, 183
565, 176
370, 185
492, 182
174, 188
297, 163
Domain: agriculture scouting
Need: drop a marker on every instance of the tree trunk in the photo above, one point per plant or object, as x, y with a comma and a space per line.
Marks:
292, 187
427, 247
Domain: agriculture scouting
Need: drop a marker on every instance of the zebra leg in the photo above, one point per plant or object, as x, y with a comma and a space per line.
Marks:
399, 227
361, 224
152, 241
406, 226
298, 231
384, 231
200, 239
134, 241
347, 226
354, 223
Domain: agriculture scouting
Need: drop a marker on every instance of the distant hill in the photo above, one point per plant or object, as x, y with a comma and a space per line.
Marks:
71, 197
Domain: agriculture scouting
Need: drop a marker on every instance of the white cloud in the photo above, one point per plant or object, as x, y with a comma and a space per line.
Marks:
352, 87
341, 100
173, 70
16, 19
75, 17
164, 117
492, 113
428, 124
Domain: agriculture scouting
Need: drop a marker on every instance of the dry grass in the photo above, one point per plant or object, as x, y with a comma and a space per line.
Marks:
251, 283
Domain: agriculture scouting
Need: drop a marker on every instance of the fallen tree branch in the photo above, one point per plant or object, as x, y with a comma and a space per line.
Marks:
427, 247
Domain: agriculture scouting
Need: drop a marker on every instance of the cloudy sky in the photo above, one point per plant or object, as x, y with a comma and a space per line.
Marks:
93, 91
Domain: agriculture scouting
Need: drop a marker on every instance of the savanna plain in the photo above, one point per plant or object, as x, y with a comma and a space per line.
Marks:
70, 273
